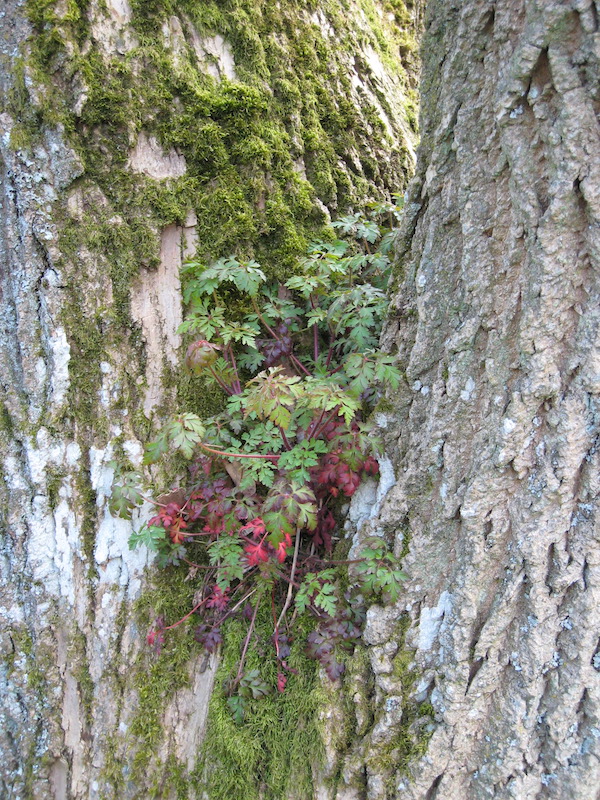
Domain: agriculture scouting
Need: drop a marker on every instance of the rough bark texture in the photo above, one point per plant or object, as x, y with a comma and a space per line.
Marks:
495, 435
129, 134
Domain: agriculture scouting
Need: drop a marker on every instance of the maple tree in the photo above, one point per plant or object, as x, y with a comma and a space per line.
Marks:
300, 370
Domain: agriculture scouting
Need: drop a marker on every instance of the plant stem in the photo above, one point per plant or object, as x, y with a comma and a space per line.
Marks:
263, 320
292, 357
237, 385
315, 332
227, 389
333, 414
299, 365
235, 608
247, 642
288, 598
284, 438
236, 455
189, 614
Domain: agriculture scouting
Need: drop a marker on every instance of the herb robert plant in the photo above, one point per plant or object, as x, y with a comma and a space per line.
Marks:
254, 519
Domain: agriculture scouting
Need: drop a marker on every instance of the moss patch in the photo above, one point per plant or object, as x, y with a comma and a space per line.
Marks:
272, 754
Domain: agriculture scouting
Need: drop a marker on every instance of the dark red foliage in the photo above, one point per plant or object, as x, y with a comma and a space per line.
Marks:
171, 517
254, 528
281, 549
342, 630
325, 526
276, 350
209, 638
334, 476
282, 645
371, 467
218, 599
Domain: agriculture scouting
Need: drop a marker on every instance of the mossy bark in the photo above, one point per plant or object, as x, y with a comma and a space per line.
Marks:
130, 135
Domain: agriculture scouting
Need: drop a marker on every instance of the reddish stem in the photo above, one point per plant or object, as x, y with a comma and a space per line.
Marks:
235, 455
300, 365
286, 443
227, 389
292, 357
237, 384
333, 414
189, 614
315, 333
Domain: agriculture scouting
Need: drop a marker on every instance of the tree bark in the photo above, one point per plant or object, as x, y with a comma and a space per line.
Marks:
495, 433
132, 134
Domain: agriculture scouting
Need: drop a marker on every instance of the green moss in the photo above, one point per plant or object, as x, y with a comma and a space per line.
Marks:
86, 497
160, 676
54, 480
272, 754
411, 735
79, 665
6, 423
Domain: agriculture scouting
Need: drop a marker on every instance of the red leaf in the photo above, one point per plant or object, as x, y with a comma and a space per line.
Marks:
255, 553
280, 552
218, 599
256, 527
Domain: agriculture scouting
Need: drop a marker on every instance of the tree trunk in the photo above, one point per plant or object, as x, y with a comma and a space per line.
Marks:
487, 674
131, 134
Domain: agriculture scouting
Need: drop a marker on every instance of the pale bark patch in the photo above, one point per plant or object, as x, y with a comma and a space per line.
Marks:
185, 715
149, 158
156, 305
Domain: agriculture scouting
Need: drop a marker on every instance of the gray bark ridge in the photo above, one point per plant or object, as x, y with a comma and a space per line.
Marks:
497, 321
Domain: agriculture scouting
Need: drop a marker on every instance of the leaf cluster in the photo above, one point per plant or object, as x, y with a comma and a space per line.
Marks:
254, 517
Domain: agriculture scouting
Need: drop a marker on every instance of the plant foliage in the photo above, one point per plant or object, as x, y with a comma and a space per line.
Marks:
254, 520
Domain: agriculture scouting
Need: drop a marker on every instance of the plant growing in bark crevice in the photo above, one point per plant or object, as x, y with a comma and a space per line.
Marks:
254, 519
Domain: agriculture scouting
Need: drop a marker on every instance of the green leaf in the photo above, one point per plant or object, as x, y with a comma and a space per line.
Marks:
347, 224
316, 316
204, 318
301, 458
327, 395
368, 230
250, 360
125, 495
379, 573
252, 685
184, 432
237, 706
326, 599
226, 553
241, 332
149, 535
290, 506
271, 395
153, 451
317, 588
